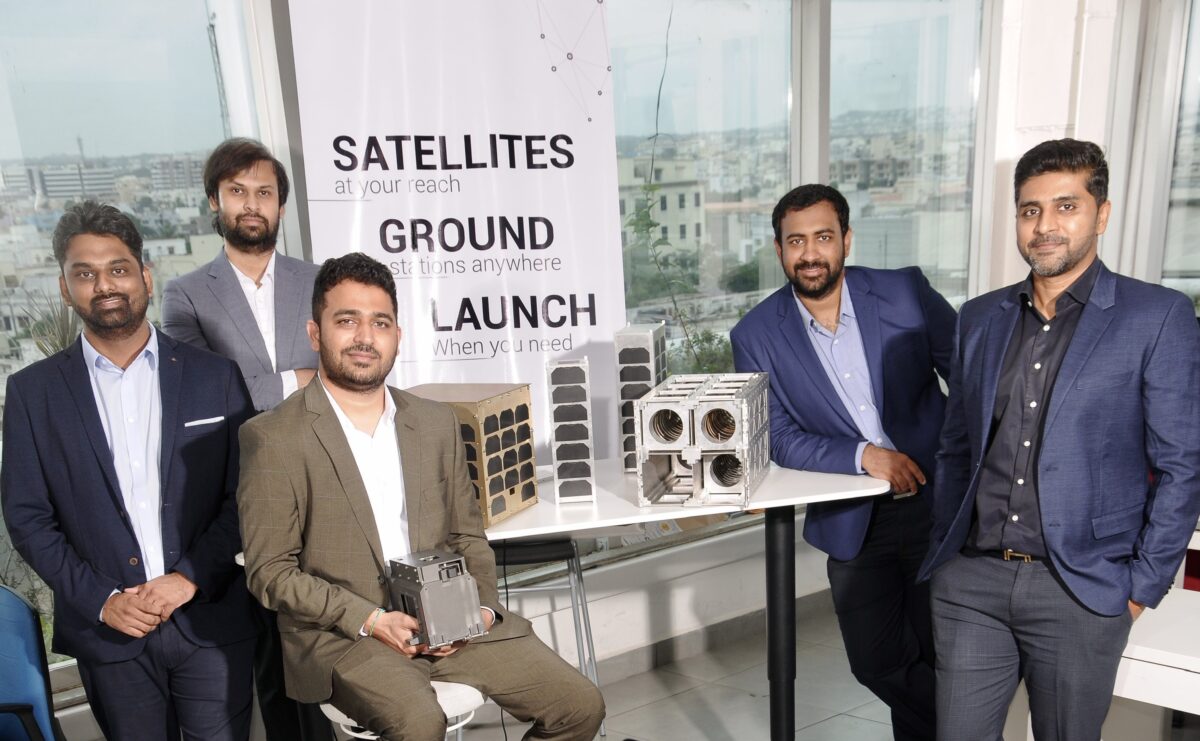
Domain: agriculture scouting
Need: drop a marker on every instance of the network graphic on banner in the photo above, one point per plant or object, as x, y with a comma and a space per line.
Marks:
487, 184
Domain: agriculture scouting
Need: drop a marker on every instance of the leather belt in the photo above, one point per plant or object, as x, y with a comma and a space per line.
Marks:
1008, 554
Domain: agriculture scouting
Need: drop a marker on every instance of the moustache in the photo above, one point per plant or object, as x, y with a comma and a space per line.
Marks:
1039, 241
361, 349
108, 297
810, 265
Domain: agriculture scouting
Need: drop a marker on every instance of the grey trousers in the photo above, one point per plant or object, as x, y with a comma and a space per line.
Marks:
996, 622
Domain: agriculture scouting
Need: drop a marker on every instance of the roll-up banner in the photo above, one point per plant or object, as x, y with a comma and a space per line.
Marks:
470, 147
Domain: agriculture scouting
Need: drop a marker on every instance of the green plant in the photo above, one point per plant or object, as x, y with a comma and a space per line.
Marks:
54, 325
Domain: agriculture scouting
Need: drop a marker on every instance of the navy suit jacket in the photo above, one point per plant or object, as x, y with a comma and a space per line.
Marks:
1117, 472
907, 332
64, 510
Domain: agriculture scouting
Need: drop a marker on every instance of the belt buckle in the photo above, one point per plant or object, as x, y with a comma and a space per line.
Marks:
1011, 555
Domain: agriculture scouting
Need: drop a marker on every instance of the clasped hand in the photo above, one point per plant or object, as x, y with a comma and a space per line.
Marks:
139, 610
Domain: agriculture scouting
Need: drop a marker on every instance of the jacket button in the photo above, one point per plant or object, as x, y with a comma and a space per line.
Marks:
133, 561
382, 580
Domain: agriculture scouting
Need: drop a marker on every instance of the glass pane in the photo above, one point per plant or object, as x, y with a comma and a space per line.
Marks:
1181, 258
701, 105
115, 100
902, 92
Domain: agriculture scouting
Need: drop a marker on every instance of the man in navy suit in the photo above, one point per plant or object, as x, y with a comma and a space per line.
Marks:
1067, 477
119, 475
853, 356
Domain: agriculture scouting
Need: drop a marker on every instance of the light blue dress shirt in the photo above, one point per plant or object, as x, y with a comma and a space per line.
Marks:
130, 405
845, 363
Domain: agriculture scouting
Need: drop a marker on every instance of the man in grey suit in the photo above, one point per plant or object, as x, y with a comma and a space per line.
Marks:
251, 305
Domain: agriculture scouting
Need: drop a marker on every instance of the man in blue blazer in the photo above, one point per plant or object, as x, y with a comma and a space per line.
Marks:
120, 469
1067, 477
853, 356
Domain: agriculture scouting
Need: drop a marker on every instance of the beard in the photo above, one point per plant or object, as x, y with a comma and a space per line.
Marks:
350, 374
246, 235
1051, 265
114, 322
815, 288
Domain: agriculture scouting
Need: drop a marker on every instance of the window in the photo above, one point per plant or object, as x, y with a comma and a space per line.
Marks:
1181, 258
718, 127
116, 101
902, 132
697, 230
622, 202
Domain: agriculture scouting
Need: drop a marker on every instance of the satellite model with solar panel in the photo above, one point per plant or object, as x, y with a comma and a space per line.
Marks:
571, 430
641, 365
497, 431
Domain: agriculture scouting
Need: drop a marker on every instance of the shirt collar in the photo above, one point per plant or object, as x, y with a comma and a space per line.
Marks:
388, 417
95, 361
268, 275
847, 307
1080, 291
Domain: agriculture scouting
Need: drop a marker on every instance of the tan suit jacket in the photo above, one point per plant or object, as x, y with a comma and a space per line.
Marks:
312, 549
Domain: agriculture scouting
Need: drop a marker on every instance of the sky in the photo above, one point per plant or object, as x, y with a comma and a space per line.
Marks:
137, 76
128, 76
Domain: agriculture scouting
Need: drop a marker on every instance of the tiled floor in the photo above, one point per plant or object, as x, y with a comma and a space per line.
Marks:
722, 694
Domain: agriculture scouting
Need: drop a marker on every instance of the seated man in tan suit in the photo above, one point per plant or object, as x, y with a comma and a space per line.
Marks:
348, 474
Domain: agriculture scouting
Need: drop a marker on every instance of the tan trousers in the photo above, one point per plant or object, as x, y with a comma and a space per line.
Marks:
390, 694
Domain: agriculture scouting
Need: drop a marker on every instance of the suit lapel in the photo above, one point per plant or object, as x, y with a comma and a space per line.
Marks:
79, 383
866, 309
225, 288
791, 324
1092, 323
170, 382
997, 335
329, 433
411, 464
288, 310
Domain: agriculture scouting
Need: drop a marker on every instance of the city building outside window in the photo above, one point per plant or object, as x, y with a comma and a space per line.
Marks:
1181, 258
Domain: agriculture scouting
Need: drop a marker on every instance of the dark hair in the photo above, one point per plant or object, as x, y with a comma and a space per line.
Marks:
810, 195
1064, 155
90, 217
356, 267
234, 155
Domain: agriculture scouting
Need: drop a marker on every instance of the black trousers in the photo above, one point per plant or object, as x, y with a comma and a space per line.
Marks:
884, 615
284, 718
173, 688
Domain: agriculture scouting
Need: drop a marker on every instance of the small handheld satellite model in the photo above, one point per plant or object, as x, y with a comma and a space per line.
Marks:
703, 439
435, 588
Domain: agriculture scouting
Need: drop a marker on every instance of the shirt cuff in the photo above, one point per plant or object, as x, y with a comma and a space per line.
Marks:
106, 599
858, 456
290, 384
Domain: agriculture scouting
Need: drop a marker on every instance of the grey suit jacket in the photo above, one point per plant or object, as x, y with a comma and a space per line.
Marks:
208, 309
312, 548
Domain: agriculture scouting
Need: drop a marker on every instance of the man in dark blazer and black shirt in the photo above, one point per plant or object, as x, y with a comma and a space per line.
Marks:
1067, 481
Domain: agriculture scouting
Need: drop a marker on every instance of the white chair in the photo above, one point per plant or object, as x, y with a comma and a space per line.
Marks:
458, 701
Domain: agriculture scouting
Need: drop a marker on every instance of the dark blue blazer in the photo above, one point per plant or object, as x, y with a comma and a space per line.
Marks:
66, 516
907, 332
1125, 409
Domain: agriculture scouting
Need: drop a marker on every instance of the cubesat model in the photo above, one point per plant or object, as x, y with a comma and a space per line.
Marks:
571, 430
641, 365
703, 439
497, 430
435, 588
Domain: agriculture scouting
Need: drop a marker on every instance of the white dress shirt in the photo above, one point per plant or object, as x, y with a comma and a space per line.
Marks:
130, 405
261, 298
378, 459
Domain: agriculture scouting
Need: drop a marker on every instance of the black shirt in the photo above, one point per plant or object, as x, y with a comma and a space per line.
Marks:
1006, 505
